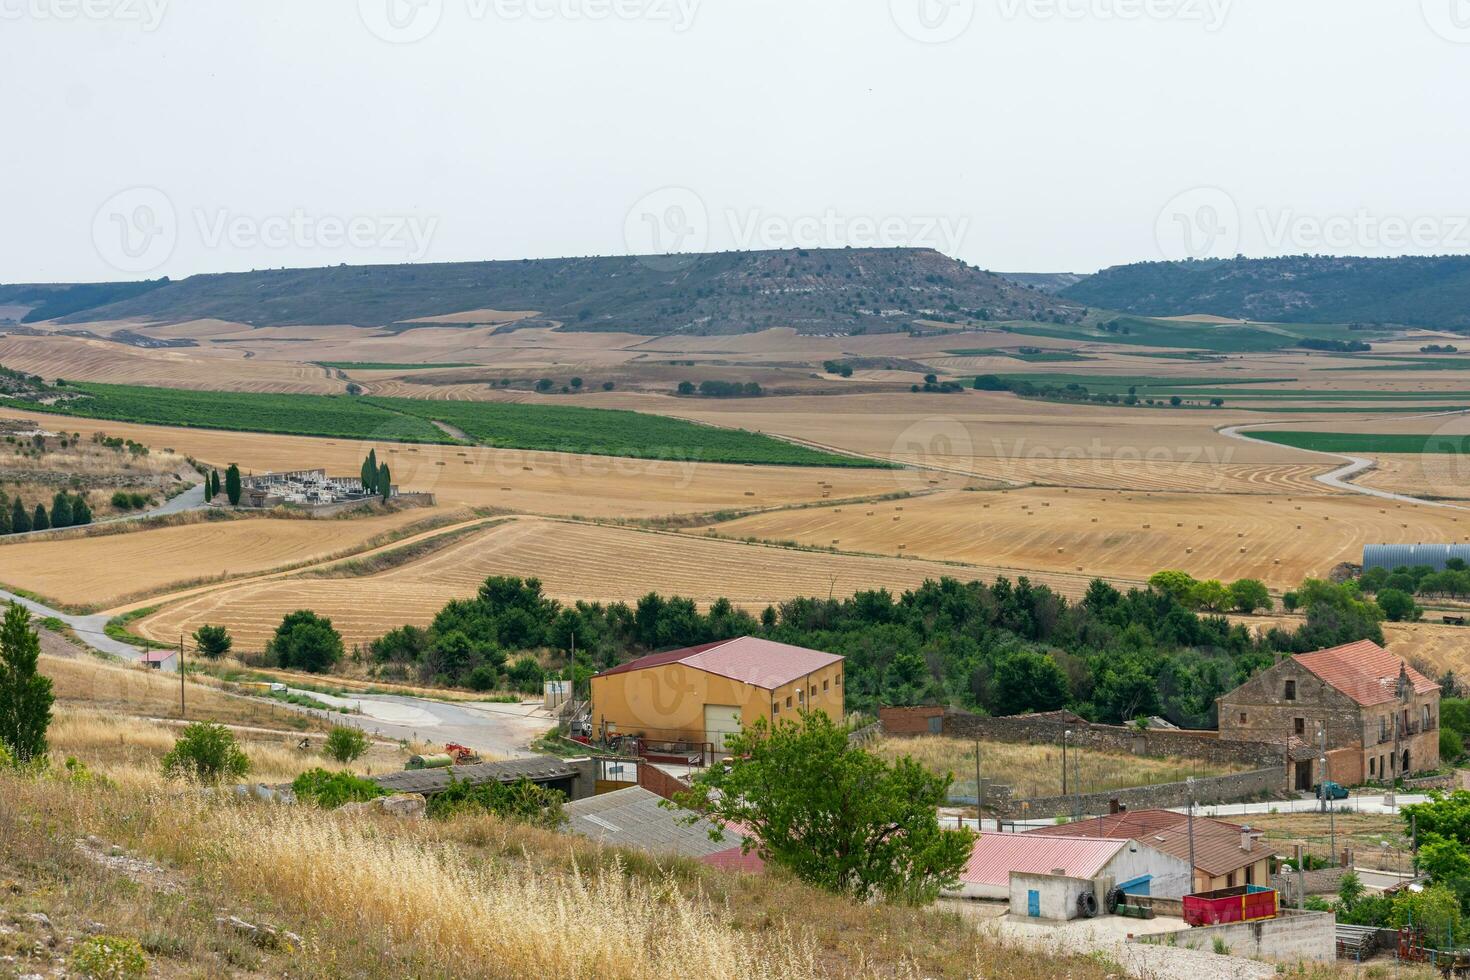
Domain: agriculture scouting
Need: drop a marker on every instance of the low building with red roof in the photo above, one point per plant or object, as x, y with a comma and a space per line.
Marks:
703, 693
1139, 868
1380, 715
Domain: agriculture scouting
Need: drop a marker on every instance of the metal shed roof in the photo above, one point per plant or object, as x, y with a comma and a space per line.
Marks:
757, 662
431, 781
634, 817
1217, 849
995, 856
1391, 556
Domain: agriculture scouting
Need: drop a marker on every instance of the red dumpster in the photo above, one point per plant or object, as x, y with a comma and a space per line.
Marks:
1247, 903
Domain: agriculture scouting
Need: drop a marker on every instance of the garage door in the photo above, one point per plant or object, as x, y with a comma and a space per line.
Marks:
720, 720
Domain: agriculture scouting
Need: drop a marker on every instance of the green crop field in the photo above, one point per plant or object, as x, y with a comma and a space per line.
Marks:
607, 432
558, 428
387, 366
1040, 357
300, 415
1120, 383
1368, 442
1220, 338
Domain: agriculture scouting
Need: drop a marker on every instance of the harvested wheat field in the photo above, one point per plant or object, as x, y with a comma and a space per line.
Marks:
1280, 540
1437, 476
1443, 648
99, 571
532, 482
1033, 771
205, 368
574, 561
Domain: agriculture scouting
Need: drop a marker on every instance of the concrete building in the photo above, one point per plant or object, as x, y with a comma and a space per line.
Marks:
1226, 855
1381, 716
702, 694
996, 860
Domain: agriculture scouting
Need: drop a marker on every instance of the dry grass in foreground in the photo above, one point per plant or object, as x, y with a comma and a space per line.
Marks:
1036, 770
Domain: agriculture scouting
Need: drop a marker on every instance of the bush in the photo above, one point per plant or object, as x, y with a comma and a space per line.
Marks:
483, 678
212, 641
1451, 745
306, 641
329, 790
345, 744
206, 753
522, 800
109, 958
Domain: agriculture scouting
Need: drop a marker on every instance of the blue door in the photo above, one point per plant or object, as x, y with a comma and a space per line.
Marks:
1138, 886
1033, 903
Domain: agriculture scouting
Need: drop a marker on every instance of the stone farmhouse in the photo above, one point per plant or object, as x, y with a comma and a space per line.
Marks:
1381, 716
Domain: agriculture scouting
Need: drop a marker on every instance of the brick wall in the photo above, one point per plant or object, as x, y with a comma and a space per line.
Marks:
655, 780
909, 721
1292, 937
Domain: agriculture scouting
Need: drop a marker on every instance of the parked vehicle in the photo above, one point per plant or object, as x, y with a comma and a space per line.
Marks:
1335, 791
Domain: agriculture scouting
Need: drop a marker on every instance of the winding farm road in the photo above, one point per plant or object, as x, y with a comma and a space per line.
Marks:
90, 629
1354, 466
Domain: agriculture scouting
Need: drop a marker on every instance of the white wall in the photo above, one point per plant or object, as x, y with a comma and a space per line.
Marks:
1058, 894
1171, 875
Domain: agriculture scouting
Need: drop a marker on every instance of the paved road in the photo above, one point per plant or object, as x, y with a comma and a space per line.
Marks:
1355, 804
1342, 477
88, 628
502, 730
190, 499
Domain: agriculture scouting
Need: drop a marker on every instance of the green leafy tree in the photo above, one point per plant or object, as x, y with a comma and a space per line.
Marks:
39, 521
206, 753
1442, 859
306, 641
20, 518
1026, 681
1250, 595
1399, 607
1350, 890
81, 512
1436, 910
25, 696
686, 387
232, 485
831, 813
345, 744
4, 512
1179, 585
212, 641
1210, 595
1451, 744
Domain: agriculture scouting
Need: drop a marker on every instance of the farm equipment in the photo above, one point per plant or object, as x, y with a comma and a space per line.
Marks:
1248, 903
462, 755
454, 754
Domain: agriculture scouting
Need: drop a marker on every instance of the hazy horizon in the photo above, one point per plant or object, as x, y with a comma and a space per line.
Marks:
149, 138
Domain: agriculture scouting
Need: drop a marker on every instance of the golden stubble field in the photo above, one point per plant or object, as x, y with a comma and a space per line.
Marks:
1118, 535
573, 561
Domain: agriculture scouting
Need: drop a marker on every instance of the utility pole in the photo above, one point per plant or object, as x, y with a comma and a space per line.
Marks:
979, 793
182, 713
1065, 735
1189, 782
1322, 778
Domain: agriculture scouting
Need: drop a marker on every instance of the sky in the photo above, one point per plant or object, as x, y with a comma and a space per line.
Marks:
145, 138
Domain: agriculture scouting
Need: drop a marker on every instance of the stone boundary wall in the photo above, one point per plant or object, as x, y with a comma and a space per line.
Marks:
1450, 781
1234, 788
1048, 728
1291, 937
1323, 881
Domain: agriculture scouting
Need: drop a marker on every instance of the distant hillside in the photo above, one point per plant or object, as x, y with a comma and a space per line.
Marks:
815, 291
1428, 292
1047, 282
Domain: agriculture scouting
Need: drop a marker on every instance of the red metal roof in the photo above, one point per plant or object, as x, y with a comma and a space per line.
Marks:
760, 663
995, 856
1364, 671
158, 656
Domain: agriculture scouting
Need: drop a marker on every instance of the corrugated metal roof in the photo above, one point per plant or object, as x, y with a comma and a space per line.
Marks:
750, 659
635, 817
431, 781
1217, 849
995, 856
1364, 671
1391, 556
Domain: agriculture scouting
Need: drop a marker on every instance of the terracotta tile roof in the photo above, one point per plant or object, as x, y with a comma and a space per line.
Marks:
995, 856
1364, 671
760, 663
1217, 849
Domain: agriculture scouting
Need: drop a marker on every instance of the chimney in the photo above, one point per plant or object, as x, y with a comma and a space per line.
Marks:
1114, 807
1245, 839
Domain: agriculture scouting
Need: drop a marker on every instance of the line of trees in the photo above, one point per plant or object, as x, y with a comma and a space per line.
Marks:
375, 476
67, 510
1002, 648
720, 389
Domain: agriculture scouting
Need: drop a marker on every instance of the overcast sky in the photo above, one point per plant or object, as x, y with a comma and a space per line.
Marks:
169, 137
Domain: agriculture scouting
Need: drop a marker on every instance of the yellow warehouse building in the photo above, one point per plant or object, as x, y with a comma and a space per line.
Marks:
703, 693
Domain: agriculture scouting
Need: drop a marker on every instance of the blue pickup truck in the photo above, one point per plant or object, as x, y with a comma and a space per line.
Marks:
1334, 791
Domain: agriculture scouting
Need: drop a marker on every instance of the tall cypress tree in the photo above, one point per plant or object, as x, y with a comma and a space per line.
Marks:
214, 483
385, 481
25, 696
81, 513
61, 510
232, 485
20, 520
39, 521
4, 512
